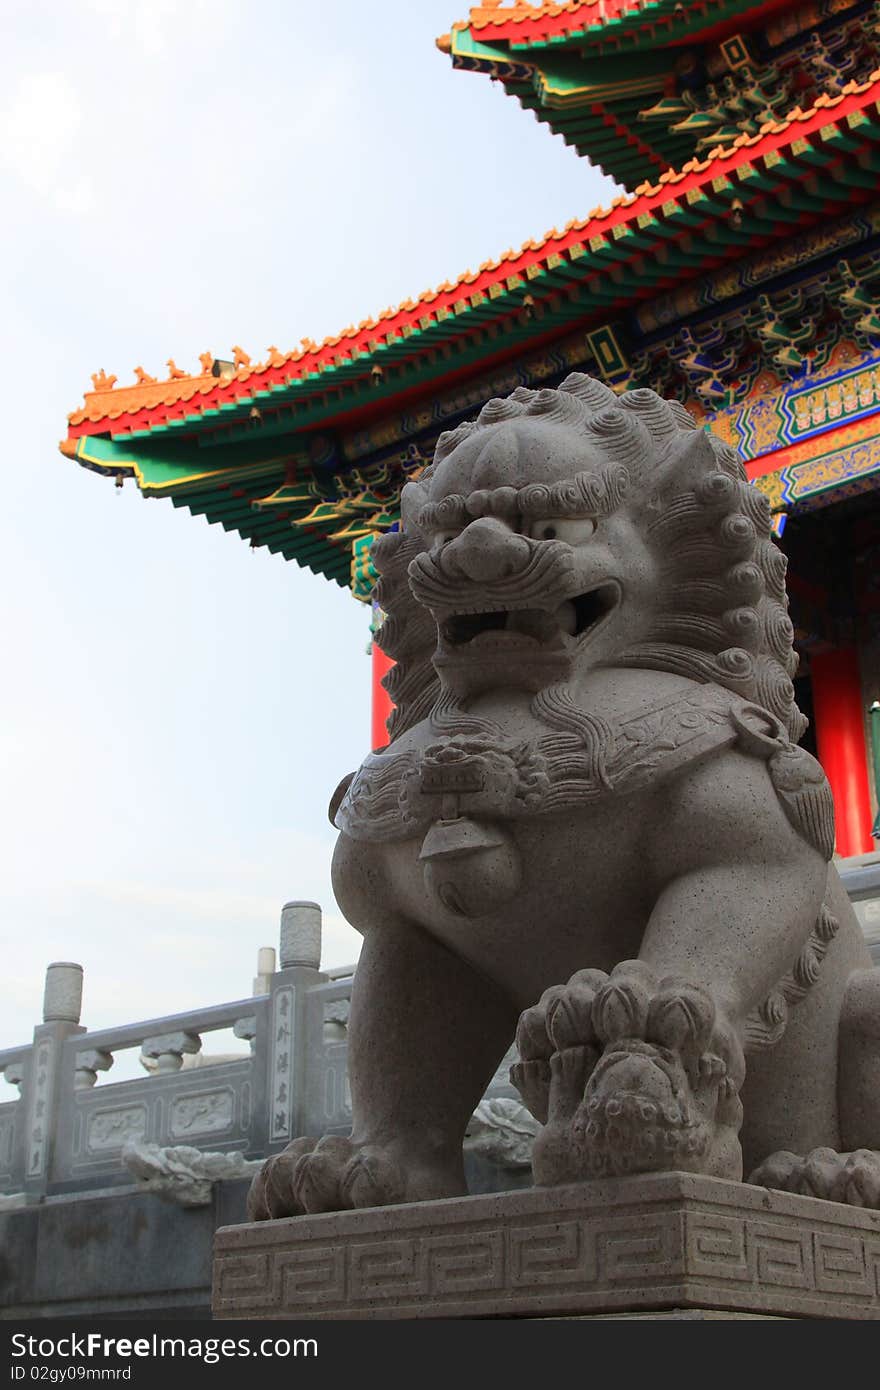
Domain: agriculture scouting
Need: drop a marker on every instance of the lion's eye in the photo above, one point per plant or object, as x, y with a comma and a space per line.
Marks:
443, 538
572, 530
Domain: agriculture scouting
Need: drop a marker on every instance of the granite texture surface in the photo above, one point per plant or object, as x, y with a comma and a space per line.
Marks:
592, 832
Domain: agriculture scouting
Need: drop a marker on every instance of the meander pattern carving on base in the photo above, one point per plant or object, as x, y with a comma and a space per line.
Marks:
633, 1245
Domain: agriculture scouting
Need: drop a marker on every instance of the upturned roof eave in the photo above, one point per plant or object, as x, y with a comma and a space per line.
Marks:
448, 312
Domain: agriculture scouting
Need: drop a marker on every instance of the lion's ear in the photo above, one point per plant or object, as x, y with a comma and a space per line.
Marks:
412, 500
688, 459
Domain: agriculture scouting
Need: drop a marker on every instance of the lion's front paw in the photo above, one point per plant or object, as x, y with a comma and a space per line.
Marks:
329, 1174
853, 1178
639, 1074
665, 1092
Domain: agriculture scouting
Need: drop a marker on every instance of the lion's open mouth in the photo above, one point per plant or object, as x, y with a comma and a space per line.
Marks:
574, 617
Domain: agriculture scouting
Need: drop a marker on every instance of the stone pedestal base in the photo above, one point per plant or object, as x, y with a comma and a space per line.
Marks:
669, 1241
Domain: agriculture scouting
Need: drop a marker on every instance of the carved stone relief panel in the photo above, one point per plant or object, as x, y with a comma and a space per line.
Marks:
110, 1129
206, 1112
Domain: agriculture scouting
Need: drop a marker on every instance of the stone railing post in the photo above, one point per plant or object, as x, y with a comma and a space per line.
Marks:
265, 970
300, 936
62, 1004
16, 1074
290, 1026
169, 1049
88, 1063
246, 1029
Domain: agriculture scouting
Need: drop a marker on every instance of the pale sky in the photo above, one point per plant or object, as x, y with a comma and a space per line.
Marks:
183, 175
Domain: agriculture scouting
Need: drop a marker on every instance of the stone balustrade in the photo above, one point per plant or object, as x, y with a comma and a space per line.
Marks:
66, 1130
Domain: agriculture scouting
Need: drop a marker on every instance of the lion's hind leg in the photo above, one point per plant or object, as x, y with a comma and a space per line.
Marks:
852, 1175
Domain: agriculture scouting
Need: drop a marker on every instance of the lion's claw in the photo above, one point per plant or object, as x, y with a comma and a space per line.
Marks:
372, 1179
570, 1017
316, 1176
682, 1016
621, 1006
532, 1079
557, 1045
853, 1178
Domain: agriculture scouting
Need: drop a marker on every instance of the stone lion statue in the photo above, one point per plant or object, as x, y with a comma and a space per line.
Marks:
593, 830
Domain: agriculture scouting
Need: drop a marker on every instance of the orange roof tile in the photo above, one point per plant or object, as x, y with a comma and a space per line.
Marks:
527, 22
496, 15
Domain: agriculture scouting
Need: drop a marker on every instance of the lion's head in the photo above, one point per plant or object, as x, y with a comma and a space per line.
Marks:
566, 530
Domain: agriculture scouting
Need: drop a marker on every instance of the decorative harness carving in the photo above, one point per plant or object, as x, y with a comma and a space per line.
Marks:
398, 795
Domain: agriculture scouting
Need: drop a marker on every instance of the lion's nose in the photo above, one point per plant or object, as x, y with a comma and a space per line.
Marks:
487, 550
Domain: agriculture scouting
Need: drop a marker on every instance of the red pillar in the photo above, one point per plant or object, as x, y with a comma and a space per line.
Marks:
840, 740
382, 705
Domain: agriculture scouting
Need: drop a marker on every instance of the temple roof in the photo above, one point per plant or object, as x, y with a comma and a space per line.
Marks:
305, 451
640, 87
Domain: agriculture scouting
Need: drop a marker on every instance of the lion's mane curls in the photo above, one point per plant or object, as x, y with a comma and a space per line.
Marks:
721, 613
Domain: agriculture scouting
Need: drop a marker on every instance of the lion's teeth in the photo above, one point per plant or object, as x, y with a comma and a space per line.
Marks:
532, 622
566, 617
